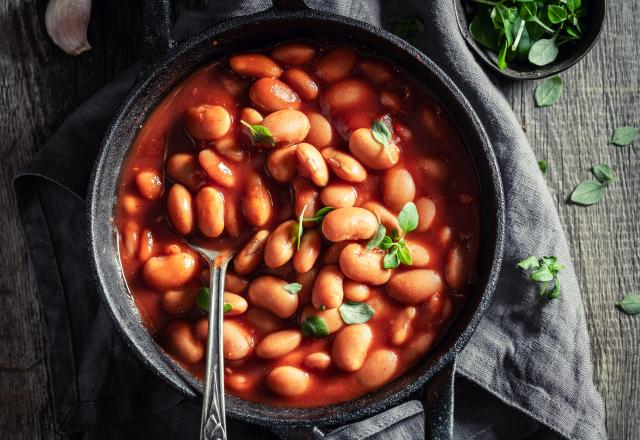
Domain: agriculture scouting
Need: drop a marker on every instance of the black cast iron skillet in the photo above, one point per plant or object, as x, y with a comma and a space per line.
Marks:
289, 20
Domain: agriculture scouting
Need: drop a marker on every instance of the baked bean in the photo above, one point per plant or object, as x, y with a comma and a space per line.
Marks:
278, 344
377, 71
426, 212
355, 291
169, 272
456, 270
230, 148
294, 53
332, 254
238, 382
401, 326
305, 194
321, 134
285, 271
146, 249
237, 343
364, 265
391, 100
207, 122
234, 223
439, 308
132, 205
180, 209
181, 342
130, 238
256, 202
250, 256
280, 246
318, 361
306, 280
338, 195
267, 292
175, 302
210, 211
287, 126
444, 235
288, 381
254, 65
149, 184
216, 169
281, 163
419, 344
350, 347
349, 224
331, 317
371, 152
327, 290
433, 122
302, 83
349, 94
336, 64
271, 95
263, 321
378, 368
433, 168
419, 253
251, 116
311, 164
306, 256
414, 285
344, 165
384, 216
398, 188
238, 304
233, 282
201, 328
183, 168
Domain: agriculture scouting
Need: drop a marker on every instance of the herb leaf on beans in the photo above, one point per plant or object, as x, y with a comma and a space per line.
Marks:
395, 245
318, 217
623, 136
298, 229
407, 28
548, 92
382, 133
355, 312
545, 271
630, 304
293, 288
377, 237
314, 326
227, 307
259, 133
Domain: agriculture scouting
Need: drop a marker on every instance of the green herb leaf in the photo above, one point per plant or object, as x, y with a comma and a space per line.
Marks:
391, 260
630, 304
482, 30
528, 11
293, 288
542, 274
355, 312
403, 254
543, 166
588, 192
320, 214
543, 52
623, 136
555, 292
408, 217
203, 299
227, 307
529, 263
381, 132
574, 5
386, 243
406, 28
299, 228
603, 173
557, 14
260, 134
314, 326
395, 235
377, 237
548, 91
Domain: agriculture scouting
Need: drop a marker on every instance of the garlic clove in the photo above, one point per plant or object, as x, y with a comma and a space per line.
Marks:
66, 22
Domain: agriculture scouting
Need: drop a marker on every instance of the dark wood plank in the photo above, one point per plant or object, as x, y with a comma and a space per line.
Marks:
600, 93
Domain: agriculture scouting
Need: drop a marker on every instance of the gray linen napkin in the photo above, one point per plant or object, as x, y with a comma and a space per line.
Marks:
531, 355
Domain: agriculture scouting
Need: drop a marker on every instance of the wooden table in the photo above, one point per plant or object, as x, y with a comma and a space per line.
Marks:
40, 86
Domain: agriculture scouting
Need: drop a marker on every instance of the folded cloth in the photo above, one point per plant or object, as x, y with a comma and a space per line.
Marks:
526, 373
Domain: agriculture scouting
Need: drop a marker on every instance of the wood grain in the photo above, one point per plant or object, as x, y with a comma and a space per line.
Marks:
40, 86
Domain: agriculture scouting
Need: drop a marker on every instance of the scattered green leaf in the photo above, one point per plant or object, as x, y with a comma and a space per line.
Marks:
588, 192
543, 52
529, 263
548, 92
623, 136
293, 288
543, 166
603, 173
544, 270
260, 134
355, 312
314, 326
630, 304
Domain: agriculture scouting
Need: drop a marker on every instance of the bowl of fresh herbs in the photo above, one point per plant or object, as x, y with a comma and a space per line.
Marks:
529, 39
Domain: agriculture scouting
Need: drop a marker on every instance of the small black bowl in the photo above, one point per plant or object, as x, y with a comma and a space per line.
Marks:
566, 58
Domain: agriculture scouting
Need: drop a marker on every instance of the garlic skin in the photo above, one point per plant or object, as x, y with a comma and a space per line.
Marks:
66, 22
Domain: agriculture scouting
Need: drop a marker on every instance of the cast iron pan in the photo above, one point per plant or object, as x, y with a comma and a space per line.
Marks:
288, 20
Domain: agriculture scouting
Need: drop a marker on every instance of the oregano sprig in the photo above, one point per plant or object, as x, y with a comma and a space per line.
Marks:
545, 271
382, 133
395, 245
259, 134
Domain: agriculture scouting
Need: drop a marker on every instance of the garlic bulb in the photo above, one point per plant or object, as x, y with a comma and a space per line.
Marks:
66, 22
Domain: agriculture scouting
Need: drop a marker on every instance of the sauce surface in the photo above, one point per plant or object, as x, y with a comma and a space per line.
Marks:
340, 90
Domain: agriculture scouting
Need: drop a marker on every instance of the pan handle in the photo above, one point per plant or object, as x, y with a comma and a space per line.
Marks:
437, 402
157, 39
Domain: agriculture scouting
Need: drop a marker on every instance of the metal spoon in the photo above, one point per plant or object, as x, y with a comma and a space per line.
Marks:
213, 425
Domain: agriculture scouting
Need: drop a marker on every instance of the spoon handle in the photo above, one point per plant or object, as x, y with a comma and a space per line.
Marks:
214, 426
